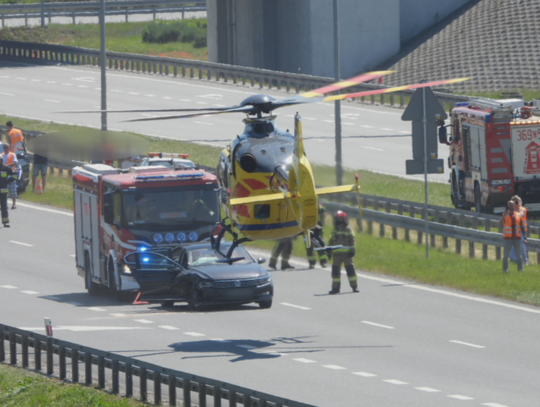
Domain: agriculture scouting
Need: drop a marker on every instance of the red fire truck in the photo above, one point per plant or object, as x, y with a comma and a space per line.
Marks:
118, 212
494, 154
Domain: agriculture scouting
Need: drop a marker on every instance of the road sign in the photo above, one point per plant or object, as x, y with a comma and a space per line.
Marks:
417, 166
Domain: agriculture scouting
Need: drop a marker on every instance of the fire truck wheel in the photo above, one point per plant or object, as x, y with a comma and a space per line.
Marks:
90, 285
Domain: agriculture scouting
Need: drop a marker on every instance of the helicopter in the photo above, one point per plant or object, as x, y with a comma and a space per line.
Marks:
268, 189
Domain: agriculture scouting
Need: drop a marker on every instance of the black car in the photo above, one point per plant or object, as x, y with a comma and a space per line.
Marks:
201, 276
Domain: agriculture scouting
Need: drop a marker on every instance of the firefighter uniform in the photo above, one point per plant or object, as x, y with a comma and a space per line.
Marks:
283, 247
343, 235
317, 240
6, 177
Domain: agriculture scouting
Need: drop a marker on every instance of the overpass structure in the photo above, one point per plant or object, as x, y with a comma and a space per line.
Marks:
297, 35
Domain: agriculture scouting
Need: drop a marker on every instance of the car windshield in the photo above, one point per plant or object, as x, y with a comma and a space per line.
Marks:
206, 256
165, 208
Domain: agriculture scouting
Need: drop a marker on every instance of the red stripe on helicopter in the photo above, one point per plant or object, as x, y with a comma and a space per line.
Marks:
255, 184
240, 191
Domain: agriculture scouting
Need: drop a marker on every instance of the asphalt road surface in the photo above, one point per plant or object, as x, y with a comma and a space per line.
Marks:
374, 137
396, 343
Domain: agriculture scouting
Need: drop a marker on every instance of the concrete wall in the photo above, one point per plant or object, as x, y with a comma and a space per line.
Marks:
417, 15
298, 35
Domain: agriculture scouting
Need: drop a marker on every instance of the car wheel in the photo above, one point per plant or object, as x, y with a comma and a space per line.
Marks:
265, 304
167, 304
90, 285
194, 301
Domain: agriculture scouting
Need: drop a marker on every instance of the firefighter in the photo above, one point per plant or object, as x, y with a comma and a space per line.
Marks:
283, 247
6, 177
343, 235
16, 139
317, 240
513, 228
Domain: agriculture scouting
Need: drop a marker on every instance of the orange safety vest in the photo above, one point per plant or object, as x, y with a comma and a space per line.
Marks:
512, 226
17, 139
9, 158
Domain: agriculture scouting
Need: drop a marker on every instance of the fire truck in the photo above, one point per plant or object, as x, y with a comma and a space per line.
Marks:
494, 154
118, 212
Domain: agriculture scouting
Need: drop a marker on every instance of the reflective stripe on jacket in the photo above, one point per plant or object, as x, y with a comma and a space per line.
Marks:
512, 226
17, 140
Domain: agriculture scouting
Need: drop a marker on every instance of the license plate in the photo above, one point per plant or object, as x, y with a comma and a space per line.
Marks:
238, 294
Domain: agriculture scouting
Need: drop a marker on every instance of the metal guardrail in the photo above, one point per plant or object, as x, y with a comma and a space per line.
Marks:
91, 9
201, 70
62, 355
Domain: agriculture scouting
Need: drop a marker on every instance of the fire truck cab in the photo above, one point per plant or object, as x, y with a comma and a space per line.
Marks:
117, 213
494, 154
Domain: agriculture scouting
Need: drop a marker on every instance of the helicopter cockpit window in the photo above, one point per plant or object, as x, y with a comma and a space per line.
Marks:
262, 211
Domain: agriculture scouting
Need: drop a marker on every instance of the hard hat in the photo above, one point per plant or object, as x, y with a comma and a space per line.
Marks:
341, 214
341, 218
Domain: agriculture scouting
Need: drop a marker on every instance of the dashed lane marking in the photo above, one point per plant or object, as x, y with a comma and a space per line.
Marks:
294, 306
364, 374
248, 347
9, 287
302, 360
144, 321
220, 340
168, 327
494, 405
77, 304
460, 397
21, 243
150, 96
133, 93
427, 389
193, 334
394, 381
118, 314
6, 94
51, 100
86, 328
29, 292
334, 367
97, 309
372, 148
379, 325
468, 344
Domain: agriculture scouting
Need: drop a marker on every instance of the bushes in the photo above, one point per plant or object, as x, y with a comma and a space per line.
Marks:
192, 31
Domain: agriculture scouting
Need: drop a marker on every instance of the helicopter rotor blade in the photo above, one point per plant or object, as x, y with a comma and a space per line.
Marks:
389, 90
240, 109
208, 109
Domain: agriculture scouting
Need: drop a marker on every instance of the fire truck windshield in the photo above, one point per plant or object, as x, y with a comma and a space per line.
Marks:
153, 208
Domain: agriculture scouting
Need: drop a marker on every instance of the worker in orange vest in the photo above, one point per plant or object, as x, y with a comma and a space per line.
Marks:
15, 139
513, 228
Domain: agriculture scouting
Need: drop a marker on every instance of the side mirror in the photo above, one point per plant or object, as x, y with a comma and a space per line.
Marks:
260, 260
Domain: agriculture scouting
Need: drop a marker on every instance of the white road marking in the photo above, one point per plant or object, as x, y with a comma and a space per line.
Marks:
460, 397
185, 100
21, 79
97, 309
193, 334
295, 306
5, 77
201, 103
82, 86
67, 84
328, 121
366, 126
118, 314
271, 352
348, 124
372, 148
21, 243
468, 344
86, 328
52, 101
334, 367
305, 360
150, 96
379, 325
170, 328
394, 381
45, 209
144, 321
29, 292
206, 123
427, 389
220, 340
84, 79
214, 96
6, 94
404, 132
9, 287
494, 405
133, 93
385, 129
117, 91
248, 347
77, 304
72, 255
166, 97
364, 374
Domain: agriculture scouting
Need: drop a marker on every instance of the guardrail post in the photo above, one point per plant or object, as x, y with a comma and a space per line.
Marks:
101, 372
88, 368
12, 348
129, 380
186, 387
24, 347
202, 395
75, 366
172, 390
217, 396
115, 379
2, 349
498, 252
157, 388
436, 218
37, 355
62, 361
142, 377
232, 398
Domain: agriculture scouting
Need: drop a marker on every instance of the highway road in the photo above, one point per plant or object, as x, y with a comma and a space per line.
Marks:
396, 343
374, 137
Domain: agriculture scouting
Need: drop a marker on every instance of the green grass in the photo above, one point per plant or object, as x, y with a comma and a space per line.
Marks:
121, 37
21, 388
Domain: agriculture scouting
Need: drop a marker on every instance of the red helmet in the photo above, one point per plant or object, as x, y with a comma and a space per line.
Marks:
341, 214
341, 217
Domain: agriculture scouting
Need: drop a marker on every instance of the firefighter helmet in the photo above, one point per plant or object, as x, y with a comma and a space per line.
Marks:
341, 217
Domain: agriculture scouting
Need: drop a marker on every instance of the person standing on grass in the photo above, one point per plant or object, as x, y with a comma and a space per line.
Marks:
15, 139
513, 230
523, 211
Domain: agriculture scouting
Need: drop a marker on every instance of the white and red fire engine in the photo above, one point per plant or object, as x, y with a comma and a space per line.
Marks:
494, 154
118, 212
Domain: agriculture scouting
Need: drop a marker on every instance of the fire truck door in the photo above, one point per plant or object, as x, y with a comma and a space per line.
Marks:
90, 230
478, 150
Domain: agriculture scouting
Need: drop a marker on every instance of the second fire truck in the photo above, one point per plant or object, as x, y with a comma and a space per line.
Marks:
494, 154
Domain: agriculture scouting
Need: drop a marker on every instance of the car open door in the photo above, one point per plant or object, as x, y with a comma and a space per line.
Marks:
155, 274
